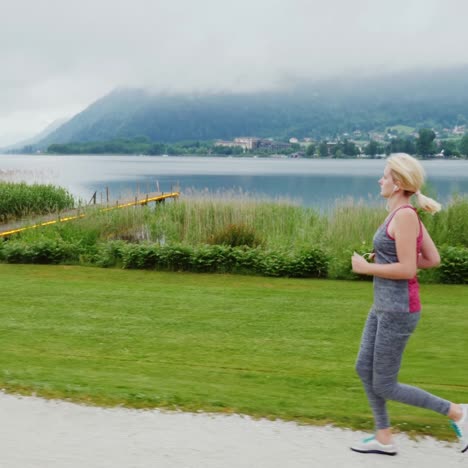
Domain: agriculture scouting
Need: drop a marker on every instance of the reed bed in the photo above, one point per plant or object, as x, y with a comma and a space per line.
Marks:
19, 200
280, 226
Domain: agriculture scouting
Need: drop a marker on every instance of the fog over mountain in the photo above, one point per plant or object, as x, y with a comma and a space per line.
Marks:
57, 57
321, 109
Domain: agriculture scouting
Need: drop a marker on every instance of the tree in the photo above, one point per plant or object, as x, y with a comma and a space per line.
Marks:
157, 149
349, 148
373, 148
449, 148
425, 142
323, 149
401, 145
338, 152
310, 151
463, 145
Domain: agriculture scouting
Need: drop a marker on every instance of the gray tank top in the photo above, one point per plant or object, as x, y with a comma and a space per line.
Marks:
389, 294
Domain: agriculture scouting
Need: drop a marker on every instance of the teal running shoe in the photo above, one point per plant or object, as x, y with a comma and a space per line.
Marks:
461, 429
372, 445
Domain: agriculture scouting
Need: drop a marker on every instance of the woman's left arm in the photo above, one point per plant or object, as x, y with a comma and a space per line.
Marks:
405, 231
429, 256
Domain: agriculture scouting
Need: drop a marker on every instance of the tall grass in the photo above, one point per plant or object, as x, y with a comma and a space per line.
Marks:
450, 226
20, 199
196, 221
279, 226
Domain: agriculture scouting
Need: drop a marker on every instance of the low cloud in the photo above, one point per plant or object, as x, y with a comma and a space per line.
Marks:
59, 56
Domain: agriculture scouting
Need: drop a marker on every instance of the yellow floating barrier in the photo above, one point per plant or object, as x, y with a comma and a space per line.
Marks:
143, 201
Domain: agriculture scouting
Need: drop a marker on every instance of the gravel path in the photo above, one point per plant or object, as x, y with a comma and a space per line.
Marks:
37, 433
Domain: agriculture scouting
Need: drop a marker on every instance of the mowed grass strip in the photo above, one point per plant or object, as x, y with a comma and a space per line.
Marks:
267, 347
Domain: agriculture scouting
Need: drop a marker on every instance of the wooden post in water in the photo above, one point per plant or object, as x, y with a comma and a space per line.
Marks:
93, 198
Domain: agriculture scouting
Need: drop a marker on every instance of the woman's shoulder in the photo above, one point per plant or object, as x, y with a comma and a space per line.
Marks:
403, 219
406, 216
403, 212
406, 212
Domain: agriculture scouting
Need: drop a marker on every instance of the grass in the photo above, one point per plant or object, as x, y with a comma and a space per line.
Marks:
405, 129
275, 348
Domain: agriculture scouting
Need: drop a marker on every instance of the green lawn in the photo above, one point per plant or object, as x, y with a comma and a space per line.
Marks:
403, 129
277, 348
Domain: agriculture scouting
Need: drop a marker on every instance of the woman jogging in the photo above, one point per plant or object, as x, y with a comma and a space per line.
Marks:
401, 246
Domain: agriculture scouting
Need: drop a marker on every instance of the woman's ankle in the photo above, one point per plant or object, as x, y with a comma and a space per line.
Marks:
384, 436
455, 412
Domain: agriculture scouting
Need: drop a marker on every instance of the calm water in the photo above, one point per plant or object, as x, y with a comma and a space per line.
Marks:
315, 183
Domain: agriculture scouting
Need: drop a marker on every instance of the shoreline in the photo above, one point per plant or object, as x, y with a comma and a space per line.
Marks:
221, 156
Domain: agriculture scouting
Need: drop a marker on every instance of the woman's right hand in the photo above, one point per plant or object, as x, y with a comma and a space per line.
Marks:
369, 256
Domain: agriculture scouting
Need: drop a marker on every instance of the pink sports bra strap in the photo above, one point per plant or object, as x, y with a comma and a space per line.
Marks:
398, 209
419, 220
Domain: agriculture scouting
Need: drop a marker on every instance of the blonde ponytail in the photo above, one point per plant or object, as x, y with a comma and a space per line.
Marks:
427, 204
410, 175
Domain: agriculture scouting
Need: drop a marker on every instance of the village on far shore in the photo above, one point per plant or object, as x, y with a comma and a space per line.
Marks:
361, 144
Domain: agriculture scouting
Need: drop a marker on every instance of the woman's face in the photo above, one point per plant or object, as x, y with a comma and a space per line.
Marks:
387, 184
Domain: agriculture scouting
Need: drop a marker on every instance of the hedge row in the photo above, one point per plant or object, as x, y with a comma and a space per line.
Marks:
311, 263
46, 251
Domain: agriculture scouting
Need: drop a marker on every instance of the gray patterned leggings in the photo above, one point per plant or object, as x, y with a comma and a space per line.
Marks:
378, 363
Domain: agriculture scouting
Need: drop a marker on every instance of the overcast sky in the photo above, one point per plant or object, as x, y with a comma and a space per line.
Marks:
58, 56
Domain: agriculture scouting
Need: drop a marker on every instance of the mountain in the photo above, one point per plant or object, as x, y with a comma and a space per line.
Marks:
36, 138
433, 98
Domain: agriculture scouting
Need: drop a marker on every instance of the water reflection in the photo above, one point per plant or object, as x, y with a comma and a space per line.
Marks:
315, 183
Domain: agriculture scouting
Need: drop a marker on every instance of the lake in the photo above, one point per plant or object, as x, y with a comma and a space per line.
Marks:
310, 182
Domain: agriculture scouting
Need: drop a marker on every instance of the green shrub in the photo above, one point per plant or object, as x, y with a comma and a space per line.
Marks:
454, 265
215, 258
140, 256
174, 257
236, 235
44, 251
312, 263
108, 254
274, 264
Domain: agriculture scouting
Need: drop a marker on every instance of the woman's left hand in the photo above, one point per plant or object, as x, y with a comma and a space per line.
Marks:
360, 264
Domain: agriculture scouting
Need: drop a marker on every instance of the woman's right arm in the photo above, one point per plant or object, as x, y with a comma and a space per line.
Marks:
429, 256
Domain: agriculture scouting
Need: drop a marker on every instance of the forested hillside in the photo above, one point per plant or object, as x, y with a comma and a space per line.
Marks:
318, 110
